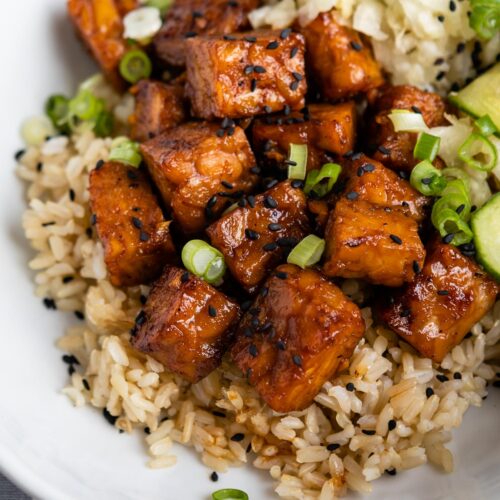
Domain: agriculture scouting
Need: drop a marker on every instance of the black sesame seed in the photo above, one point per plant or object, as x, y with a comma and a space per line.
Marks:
250, 39
274, 226
259, 69
212, 201
248, 69
448, 238
396, 239
352, 195
69, 359
79, 315
350, 387
383, 150
239, 436
443, 292
332, 446
264, 291
197, 14
67, 279
460, 209
86, 384
437, 62
252, 235
427, 180
429, 392
293, 52
442, 378
452, 6
290, 162
88, 232
110, 418
460, 47
72, 194
217, 413
255, 170
297, 76
71, 370
227, 185
252, 349
297, 184
284, 34
214, 476
391, 425
50, 303
281, 345
271, 183
229, 38
272, 45
416, 267
93, 219
269, 247
242, 203
416, 109
99, 164
403, 174
440, 76
137, 222
212, 312
253, 84
270, 202
440, 18
360, 171
18, 155
140, 318
297, 360
368, 432
184, 277
147, 430
457, 376
294, 85
281, 275
356, 46
144, 236
220, 132
392, 471
190, 34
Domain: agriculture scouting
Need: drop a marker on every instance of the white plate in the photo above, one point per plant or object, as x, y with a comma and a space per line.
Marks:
57, 452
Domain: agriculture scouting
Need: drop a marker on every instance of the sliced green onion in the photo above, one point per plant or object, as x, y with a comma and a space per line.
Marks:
486, 126
85, 106
485, 17
427, 179
449, 222
454, 197
314, 181
204, 260
406, 121
126, 151
297, 161
308, 252
427, 147
92, 82
135, 65
57, 109
450, 173
36, 129
229, 494
162, 5
478, 152
104, 124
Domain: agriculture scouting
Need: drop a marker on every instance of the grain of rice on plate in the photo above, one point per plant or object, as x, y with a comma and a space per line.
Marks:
392, 410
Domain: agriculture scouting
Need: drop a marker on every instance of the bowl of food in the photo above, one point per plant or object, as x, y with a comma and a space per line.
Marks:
264, 245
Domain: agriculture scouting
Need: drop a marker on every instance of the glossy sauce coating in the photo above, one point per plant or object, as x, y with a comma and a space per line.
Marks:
379, 185
247, 254
100, 25
189, 163
158, 107
396, 148
191, 18
296, 337
371, 242
130, 224
186, 324
323, 127
236, 78
438, 308
340, 61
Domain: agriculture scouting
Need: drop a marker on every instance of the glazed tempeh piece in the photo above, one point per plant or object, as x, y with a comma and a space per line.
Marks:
130, 224
339, 60
395, 149
99, 24
158, 107
200, 171
295, 337
255, 238
245, 74
186, 324
439, 307
374, 183
323, 127
190, 18
367, 241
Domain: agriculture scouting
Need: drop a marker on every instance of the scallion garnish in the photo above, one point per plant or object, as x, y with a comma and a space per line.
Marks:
308, 252
135, 65
204, 260
229, 494
406, 121
104, 124
427, 179
297, 161
486, 126
455, 197
162, 5
478, 152
315, 181
36, 129
485, 17
57, 109
447, 222
125, 151
85, 106
427, 147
